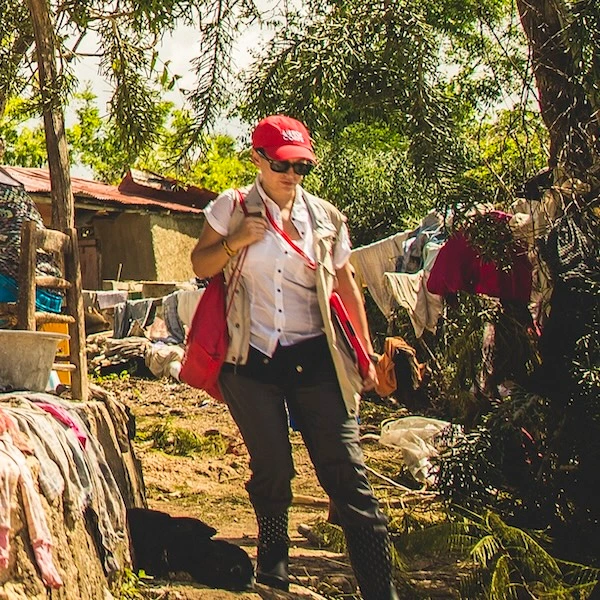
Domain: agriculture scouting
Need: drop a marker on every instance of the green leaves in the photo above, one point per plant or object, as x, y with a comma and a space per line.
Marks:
22, 146
510, 563
126, 37
96, 143
334, 64
365, 173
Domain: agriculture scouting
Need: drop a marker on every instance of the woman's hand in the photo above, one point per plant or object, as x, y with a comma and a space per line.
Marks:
209, 257
371, 380
251, 230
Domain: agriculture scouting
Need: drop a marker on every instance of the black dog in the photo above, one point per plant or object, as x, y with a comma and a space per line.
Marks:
163, 544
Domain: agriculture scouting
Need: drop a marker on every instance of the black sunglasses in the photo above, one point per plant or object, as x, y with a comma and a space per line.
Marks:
282, 166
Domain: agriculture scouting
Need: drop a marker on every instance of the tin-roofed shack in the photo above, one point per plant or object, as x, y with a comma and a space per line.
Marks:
144, 229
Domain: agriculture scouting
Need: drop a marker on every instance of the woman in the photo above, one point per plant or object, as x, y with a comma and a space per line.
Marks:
291, 250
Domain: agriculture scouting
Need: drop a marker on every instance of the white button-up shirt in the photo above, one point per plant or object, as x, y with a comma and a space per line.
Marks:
280, 284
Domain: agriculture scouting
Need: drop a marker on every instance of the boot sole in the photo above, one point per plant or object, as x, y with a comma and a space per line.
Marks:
273, 582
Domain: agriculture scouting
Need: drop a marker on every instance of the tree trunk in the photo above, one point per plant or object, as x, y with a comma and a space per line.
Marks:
63, 204
63, 210
569, 346
564, 104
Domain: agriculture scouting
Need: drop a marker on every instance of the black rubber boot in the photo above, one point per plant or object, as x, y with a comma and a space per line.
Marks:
272, 557
369, 550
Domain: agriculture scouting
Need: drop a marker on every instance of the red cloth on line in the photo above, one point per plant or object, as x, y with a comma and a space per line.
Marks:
458, 267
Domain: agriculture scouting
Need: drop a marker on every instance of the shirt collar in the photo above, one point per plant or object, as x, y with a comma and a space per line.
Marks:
299, 210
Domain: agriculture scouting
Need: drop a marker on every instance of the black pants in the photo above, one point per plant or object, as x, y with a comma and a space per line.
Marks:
303, 376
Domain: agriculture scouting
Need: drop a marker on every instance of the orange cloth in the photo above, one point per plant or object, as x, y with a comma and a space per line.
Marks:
385, 366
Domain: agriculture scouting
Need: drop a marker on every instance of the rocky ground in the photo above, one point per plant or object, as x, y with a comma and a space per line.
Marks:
195, 464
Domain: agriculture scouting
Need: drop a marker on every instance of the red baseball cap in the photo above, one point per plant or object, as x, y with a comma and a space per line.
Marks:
283, 138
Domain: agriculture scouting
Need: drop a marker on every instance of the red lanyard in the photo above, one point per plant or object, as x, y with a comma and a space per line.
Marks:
309, 261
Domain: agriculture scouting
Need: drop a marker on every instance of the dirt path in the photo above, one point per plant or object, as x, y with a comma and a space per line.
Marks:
209, 485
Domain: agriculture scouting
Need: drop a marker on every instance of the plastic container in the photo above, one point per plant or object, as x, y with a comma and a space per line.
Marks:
63, 352
26, 358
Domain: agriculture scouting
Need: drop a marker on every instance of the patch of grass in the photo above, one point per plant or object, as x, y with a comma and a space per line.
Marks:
326, 535
96, 377
183, 442
130, 585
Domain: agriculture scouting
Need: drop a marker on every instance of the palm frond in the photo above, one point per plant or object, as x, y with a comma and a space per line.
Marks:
486, 550
535, 563
440, 539
501, 587
578, 575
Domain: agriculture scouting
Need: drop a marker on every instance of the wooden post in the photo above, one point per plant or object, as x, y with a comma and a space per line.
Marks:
79, 380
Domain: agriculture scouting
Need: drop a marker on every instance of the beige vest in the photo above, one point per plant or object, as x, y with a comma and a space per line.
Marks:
326, 222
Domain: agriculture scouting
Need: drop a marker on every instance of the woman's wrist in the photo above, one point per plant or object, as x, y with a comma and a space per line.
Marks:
228, 249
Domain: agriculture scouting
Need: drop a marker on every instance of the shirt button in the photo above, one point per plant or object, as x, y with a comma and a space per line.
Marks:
265, 361
299, 368
237, 325
279, 270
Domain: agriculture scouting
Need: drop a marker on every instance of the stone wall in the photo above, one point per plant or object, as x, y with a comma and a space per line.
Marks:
147, 247
173, 239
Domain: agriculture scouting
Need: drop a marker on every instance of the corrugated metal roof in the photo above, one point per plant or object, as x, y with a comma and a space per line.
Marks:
37, 180
158, 187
